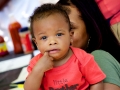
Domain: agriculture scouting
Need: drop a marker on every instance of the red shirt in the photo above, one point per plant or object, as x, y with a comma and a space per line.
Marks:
76, 74
110, 8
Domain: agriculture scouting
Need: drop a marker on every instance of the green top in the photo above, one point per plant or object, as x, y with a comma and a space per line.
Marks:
109, 65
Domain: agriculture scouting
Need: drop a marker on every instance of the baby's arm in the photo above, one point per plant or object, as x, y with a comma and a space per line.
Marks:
97, 86
34, 80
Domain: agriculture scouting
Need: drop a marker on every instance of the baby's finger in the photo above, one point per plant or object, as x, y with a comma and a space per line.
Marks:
46, 54
51, 58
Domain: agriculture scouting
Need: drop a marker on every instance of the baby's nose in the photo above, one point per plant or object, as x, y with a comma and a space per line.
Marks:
53, 42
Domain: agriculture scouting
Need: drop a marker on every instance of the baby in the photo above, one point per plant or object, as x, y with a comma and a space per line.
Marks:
59, 66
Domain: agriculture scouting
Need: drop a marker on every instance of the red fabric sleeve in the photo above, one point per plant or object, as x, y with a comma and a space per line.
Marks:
33, 62
91, 70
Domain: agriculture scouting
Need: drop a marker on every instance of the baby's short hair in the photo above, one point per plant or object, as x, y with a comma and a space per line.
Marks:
46, 10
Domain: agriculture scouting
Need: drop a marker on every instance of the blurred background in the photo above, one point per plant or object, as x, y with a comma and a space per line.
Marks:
21, 10
14, 16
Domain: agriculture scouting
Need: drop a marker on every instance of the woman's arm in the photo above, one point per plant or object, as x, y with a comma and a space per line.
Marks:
110, 86
97, 86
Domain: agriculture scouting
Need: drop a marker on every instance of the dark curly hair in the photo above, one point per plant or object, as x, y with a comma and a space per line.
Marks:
46, 10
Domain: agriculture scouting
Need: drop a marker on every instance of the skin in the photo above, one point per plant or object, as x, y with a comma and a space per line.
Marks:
81, 37
52, 37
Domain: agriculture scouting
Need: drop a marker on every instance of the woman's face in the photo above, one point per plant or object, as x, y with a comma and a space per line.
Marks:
80, 36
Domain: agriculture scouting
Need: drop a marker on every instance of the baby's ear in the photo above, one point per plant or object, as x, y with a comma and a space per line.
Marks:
71, 39
34, 40
71, 33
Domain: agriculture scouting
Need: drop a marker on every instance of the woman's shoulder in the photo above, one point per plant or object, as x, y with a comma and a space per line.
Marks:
109, 65
103, 55
101, 52
104, 58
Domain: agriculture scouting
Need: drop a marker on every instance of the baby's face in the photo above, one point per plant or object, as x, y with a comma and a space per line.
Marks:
52, 35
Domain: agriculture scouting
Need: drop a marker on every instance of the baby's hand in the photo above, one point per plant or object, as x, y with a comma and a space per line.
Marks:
45, 62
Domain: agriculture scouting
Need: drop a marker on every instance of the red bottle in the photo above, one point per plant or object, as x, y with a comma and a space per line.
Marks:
26, 40
14, 27
3, 47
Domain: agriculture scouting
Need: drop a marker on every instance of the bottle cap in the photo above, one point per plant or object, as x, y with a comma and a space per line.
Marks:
23, 29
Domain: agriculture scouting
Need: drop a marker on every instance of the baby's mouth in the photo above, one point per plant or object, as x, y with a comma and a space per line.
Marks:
53, 51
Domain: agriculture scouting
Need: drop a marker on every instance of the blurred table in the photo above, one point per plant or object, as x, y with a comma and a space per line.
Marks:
11, 66
10, 56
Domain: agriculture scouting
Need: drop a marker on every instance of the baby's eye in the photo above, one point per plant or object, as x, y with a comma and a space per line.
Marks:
44, 37
59, 34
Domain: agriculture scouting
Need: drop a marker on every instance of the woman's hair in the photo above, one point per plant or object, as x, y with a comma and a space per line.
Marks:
97, 27
46, 10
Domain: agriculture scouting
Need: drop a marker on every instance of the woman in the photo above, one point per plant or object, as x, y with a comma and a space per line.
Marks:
91, 32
